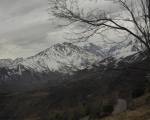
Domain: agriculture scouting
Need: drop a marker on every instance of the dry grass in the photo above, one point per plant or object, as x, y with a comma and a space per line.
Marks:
139, 111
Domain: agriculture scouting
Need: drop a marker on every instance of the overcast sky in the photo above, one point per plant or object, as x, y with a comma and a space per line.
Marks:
25, 28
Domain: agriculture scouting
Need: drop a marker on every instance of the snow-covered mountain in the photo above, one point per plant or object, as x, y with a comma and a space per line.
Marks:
105, 50
53, 59
47, 66
97, 49
128, 49
117, 53
5, 62
72, 56
66, 57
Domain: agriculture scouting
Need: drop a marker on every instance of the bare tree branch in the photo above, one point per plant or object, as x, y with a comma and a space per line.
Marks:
100, 21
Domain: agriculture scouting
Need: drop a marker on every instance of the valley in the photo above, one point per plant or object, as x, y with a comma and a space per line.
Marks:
28, 94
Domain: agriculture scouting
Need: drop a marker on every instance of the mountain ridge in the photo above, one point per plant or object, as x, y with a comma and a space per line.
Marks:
58, 51
29, 73
49, 65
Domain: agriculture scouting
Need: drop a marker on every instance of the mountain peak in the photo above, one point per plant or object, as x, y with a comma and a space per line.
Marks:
67, 43
95, 49
52, 59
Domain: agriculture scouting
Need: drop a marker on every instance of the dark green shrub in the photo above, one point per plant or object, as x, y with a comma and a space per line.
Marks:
108, 108
103, 115
148, 89
51, 119
88, 110
148, 99
97, 114
58, 117
94, 114
91, 116
76, 116
138, 91
83, 104
65, 118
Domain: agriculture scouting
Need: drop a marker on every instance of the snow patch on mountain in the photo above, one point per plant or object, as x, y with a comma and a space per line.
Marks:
129, 49
124, 55
66, 57
54, 59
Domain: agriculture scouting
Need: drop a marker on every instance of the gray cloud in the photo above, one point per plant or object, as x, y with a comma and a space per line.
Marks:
25, 29
28, 35
35, 37
21, 7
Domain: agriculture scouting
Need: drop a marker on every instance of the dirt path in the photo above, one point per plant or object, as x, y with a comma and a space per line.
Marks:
120, 107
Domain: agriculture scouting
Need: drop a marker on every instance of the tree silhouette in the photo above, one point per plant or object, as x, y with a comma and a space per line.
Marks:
131, 20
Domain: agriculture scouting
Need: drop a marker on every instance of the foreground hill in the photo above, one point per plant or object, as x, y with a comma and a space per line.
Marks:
140, 110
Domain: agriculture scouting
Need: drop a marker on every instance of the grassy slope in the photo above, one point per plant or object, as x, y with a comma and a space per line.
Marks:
71, 100
66, 100
139, 110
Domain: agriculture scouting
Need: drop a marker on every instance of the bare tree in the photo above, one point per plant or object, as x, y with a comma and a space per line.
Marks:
132, 20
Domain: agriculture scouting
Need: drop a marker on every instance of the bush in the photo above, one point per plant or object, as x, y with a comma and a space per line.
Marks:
138, 91
91, 116
108, 108
88, 110
94, 114
103, 115
148, 89
148, 99
76, 116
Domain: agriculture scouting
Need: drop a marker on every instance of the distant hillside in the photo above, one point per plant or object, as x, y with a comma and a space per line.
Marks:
82, 95
26, 74
51, 65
